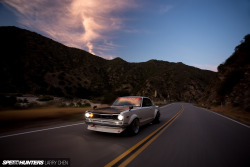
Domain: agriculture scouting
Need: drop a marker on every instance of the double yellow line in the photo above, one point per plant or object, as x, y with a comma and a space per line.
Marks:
125, 158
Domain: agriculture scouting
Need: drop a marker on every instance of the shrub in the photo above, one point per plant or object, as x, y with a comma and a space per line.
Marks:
45, 98
230, 81
87, 105
71, 104
79, 104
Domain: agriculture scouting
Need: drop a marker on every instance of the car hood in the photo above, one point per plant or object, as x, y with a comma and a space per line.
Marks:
110, 110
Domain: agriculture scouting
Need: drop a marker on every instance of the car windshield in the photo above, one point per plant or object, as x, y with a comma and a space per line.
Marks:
128, 101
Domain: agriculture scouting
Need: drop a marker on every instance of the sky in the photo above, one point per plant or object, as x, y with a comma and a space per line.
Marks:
200, 33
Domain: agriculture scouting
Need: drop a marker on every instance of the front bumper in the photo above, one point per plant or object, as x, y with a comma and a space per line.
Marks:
105, 125
105, 122
107, 129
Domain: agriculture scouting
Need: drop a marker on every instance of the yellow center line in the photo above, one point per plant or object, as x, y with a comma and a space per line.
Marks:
143, 143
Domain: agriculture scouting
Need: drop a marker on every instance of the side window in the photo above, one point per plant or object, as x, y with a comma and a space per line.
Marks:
146, 102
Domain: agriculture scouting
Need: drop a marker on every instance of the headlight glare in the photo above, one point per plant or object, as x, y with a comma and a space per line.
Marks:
120, 117
88, 115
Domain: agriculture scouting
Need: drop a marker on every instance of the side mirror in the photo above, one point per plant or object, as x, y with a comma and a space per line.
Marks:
130, 108
94, 107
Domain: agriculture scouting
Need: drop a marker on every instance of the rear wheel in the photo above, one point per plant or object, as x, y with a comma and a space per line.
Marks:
134, 127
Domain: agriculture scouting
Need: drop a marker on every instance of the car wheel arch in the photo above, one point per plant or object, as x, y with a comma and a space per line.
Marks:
156, 111
157, 117
132, 118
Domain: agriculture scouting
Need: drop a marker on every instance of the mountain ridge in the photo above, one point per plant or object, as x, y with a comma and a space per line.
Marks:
35, 64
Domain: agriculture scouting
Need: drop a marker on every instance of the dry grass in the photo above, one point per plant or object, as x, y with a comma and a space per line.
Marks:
29, 118
39, 113
234, 113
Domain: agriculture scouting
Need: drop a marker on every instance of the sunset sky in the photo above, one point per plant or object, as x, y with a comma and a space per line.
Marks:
200, 33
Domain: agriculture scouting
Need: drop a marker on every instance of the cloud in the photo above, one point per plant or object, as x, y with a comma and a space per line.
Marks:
207, 67
85, 24
165, 9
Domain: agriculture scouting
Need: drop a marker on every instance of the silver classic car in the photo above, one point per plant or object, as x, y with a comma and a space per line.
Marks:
129, 113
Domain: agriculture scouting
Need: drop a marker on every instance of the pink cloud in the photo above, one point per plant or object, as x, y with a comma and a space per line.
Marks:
165, 9
85, 24
207, 67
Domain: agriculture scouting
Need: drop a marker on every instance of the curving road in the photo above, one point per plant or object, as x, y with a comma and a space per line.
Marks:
187, 136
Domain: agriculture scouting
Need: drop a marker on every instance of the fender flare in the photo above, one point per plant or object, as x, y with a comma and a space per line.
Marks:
134, 116
156, 110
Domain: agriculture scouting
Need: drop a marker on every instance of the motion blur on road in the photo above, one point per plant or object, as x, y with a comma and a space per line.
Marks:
197, 137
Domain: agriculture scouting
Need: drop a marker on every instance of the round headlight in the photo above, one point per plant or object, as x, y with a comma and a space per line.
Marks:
87, 115
120, 117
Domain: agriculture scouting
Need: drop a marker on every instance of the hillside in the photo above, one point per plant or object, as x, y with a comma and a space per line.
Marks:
231, 86
31, 63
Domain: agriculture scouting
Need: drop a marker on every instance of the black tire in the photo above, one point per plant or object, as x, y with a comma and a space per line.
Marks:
134, 127
157, 118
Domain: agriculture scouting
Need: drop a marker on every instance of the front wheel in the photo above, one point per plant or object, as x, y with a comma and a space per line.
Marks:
134, 127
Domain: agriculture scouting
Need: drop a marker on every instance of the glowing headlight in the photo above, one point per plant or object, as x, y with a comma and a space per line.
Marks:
88, 115
120, 117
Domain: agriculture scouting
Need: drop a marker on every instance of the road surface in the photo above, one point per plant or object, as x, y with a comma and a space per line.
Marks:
187, 136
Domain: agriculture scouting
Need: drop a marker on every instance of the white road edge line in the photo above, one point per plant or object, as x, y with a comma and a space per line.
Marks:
17, 134
226, 117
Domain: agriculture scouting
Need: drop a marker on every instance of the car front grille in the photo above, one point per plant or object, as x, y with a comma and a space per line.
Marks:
105, 116
104, 121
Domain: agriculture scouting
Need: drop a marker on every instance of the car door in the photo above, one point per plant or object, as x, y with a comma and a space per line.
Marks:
147, 110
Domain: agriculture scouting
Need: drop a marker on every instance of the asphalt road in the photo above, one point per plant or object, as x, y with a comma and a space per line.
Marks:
187, 136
